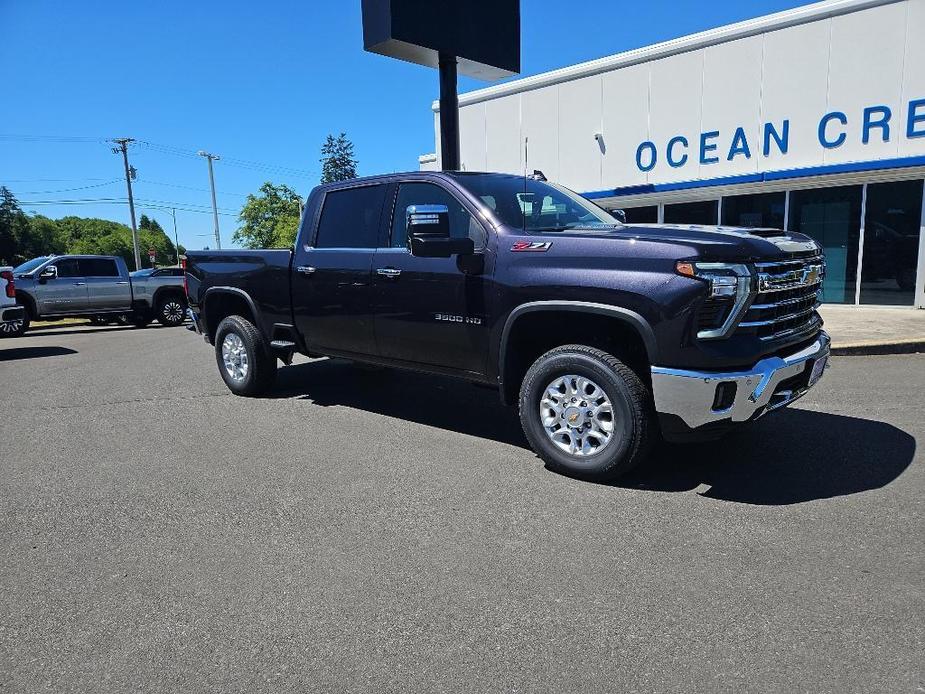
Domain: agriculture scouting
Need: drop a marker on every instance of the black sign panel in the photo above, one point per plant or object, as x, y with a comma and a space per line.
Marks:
483, 34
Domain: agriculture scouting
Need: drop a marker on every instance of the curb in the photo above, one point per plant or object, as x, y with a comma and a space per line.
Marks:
911, 346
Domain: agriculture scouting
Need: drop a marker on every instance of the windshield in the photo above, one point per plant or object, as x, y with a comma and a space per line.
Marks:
525, 203
142, 273
29, 265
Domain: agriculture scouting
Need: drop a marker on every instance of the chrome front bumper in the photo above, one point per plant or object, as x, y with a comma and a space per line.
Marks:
772, 383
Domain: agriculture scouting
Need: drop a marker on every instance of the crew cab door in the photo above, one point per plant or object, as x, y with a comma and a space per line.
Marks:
332, 268
428, 311
65, 293
108, 289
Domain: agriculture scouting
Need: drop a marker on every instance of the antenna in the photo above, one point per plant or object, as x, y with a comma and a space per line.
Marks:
523, 204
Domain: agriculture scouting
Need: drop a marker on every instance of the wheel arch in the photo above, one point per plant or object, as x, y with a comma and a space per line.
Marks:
221, 302
169, 290
24, 298
615, 328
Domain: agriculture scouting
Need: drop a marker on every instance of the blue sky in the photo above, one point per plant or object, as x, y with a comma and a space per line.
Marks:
260, 84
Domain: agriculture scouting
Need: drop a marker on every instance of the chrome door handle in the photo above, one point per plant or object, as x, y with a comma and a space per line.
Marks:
79, 284
390, 272
305, 269
121, 282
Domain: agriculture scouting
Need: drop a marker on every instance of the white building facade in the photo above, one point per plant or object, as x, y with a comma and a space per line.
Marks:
811, 120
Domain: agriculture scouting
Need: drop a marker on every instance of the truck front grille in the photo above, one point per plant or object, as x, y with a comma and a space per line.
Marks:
787, 298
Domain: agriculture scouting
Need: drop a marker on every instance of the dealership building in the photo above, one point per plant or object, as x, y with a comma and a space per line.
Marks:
812, 120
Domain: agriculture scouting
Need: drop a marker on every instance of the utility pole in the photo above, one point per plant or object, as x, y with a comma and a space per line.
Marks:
210, 158
123, 143
176, 239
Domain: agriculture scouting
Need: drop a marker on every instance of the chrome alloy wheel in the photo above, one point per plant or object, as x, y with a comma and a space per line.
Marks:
173, 311
235, 357
577, 415
11, 327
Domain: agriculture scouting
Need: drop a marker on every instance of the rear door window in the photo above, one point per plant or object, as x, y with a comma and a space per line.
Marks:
98, 267
350, 218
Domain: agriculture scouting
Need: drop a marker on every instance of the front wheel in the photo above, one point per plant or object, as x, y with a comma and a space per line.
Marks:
586, 413
15, 328
243, 361
171, 311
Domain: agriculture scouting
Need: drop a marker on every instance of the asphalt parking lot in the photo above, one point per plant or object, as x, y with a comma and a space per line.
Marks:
370, 530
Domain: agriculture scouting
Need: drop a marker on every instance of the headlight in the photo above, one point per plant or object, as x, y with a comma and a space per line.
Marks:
728, 282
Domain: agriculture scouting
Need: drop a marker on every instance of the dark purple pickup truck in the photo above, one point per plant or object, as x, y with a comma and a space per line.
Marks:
605, 335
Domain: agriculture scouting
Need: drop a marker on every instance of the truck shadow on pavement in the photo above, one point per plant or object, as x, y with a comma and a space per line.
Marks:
14, 353
792, 456
788, 457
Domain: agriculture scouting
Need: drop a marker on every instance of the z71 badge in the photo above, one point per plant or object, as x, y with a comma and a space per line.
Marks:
532, 246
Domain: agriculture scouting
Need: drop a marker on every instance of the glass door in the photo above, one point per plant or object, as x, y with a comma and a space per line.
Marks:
832, 216
892, 227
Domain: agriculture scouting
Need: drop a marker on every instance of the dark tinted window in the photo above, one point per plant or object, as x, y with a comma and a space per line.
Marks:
462, 224
169, 272
891, 242
98, 267
705, 212
641, 215
350, 218
759, 210
67, 267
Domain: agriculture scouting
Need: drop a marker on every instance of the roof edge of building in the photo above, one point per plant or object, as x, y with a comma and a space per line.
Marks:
684, 44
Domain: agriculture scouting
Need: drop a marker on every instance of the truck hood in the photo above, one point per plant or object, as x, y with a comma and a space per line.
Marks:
724, 243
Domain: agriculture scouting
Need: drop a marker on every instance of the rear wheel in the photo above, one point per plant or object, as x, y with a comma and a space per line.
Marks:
171, 311
586, 413
242, 359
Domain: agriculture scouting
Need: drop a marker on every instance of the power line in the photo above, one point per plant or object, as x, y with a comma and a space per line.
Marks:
181, 207
68, 190
198, 190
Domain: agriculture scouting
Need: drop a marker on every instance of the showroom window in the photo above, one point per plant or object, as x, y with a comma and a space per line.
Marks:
641, 215
706, 212
764, 210
832, 216
892, 226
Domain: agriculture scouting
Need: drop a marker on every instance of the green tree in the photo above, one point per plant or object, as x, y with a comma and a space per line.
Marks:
269, 219
41, 236
13, 225
337, 160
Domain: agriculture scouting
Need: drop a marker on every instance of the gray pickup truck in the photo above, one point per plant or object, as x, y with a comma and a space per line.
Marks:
96, 287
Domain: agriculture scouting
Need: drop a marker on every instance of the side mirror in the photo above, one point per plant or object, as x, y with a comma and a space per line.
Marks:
429, 233
50, 272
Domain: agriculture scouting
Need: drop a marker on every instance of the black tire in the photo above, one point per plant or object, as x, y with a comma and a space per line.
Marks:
261, 365
15, 328
633, 419
99, 320
171, 310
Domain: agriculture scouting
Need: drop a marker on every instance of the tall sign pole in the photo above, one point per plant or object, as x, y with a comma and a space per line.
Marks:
477, 38
123, 143
449, 113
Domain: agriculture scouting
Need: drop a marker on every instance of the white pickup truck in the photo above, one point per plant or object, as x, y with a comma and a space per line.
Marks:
11, 315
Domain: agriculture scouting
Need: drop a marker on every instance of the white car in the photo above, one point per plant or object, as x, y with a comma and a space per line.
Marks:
11, 315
